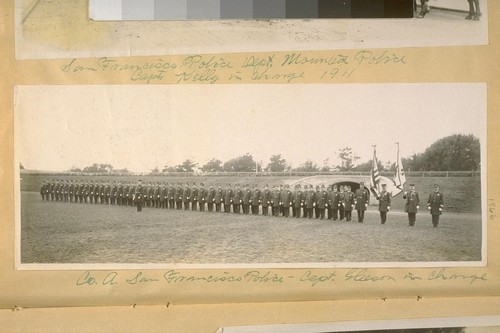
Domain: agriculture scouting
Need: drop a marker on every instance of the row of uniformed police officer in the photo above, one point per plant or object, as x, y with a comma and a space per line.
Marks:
337, 203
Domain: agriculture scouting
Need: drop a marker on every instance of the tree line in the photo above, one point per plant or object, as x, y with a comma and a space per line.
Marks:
456, 152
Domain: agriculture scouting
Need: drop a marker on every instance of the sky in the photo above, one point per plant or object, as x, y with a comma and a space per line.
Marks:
142, 127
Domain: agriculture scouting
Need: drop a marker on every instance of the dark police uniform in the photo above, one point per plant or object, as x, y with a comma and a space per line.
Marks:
384, 204
139, 197
361, 202
348, 203
435, 204
412, 205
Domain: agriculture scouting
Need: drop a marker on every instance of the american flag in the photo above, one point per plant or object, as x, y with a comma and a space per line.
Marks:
375, 175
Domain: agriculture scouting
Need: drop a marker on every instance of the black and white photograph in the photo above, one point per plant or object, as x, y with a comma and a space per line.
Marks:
121, 28
477, 324
375, 175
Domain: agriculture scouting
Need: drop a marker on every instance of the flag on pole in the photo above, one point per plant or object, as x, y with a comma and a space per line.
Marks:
375, 175
399, 176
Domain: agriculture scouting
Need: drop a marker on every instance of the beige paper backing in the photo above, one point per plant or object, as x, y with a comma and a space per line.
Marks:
51, 299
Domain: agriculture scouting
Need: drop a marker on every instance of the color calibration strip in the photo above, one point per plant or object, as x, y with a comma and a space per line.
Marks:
257, 9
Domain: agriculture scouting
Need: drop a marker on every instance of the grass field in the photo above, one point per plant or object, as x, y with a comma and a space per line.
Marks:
56, 232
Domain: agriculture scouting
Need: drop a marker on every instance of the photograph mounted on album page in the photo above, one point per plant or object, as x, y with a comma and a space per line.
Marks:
81, 28
293, 170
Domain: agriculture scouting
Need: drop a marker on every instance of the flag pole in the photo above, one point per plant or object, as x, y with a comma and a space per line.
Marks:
373, 185
398, 166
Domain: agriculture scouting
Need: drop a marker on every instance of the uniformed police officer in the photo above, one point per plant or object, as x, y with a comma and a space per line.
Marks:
202, 196
211, 198
246, 193
310, 202
228, 198
219, 197
348, 202
412, 204
361, 200
43, 189
275, 200
384, 203
164, 196
435, 204
139, 196
71, 190
194, 197
286, 200
171, 196
255, 200
237, 199
179, 191
297, 200
336, 203
186, 197
265, 198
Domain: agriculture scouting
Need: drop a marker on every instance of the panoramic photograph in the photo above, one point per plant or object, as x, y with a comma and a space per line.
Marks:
383, 175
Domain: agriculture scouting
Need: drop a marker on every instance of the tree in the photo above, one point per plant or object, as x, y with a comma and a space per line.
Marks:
167, 168
348, 158
277, 164
98, 168
21, 166
186, 166
155, 170
456, 152
326, 165
243, 163
307, 166
214, 165
367, 166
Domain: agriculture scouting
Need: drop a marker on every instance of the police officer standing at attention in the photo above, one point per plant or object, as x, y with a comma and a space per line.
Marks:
237, 199
219, 197
384, 203
310, 202
186, 197
336, 203
171, 196
322, 202
265, 198
276, 196
361, 201
348, 202
412, 204
211, 198
194, 197
297, 201
435, 204
255, 200
286, 200
178, 196
246, 198
42, 190
228, 198
202, 197
341, 206
139, 196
